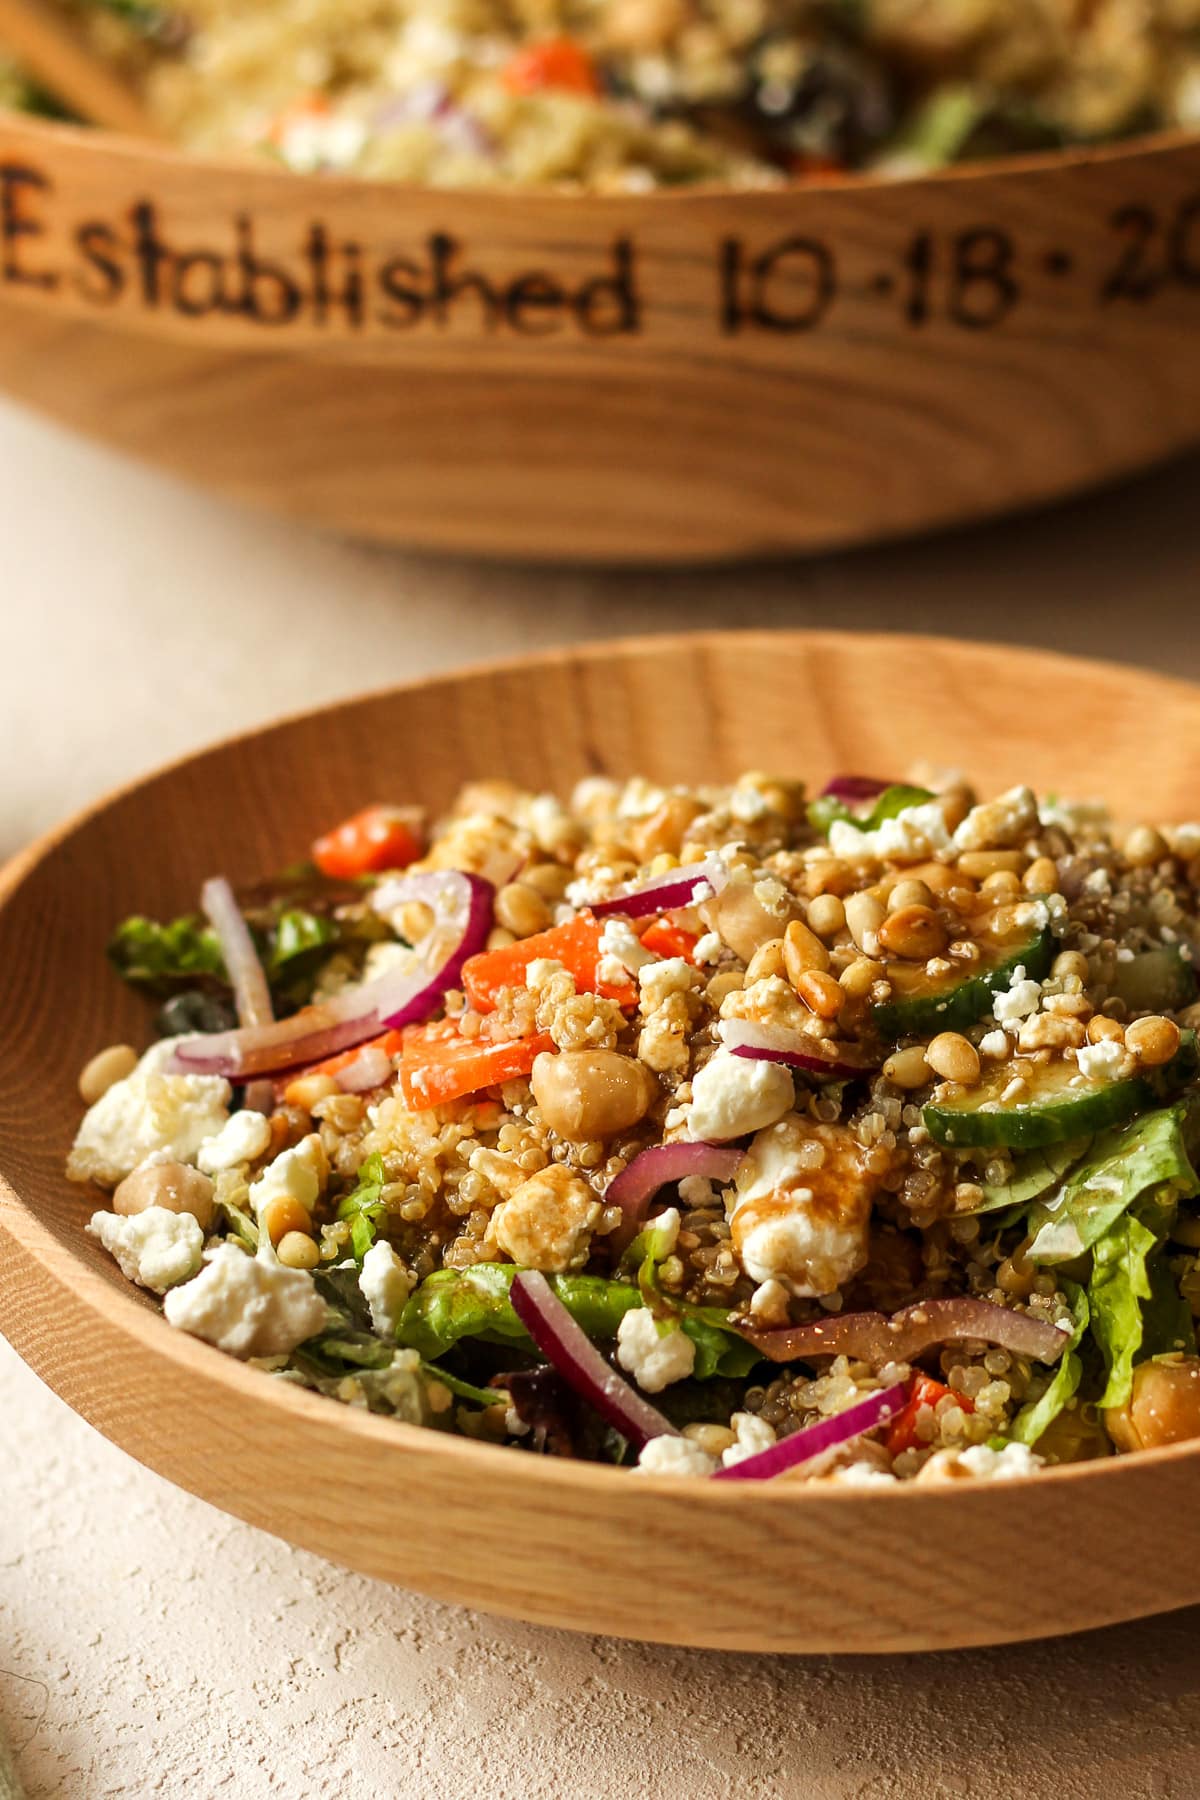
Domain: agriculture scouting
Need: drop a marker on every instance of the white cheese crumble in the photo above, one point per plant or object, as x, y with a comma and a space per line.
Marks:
1105, 1061
668, 975
247, 1305
733, 1096
993, 1043
753, 1435
639, 798
295, 1172
779, 1231
156, 1248
1019, 1001
671, 1455
861, 1475
385, 1285
654, 1357
541, 970
666, 1227
914, 835
983, 1463
148, 1112
242, 1139
999, 822
622, 953
748, 806
708, 949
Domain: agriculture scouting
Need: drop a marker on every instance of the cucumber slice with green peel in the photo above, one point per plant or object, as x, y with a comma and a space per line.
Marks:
1056, 1104
922, 1004
1158, 981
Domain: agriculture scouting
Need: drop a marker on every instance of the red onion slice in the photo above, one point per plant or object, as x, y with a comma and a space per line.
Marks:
827, 1434
634, 1188
251, 990
765, 1043
874, 1338
462, 906
854, 789
566, 1345
678, 887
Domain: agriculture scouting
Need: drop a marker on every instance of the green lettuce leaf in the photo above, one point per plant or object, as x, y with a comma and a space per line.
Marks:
1119, 1283
453, 1304
1036, 1417
1168, 1323
364, 1206
824, 811
1033, 1175
164, 958
1125, 1163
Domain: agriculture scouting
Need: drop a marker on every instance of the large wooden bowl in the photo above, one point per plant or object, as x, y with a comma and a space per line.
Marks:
679, 375
774, 1567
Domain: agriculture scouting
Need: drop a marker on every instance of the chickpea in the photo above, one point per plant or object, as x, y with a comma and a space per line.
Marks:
550, 880
175, 1186
954, 1058
1163, 1408
915, 932
826, 915
105, 1069
585, 1094
296, 1250
740, 920
1153, 1041
521, 910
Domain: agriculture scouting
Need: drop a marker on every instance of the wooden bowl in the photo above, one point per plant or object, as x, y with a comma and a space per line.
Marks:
759, 1567
680, 375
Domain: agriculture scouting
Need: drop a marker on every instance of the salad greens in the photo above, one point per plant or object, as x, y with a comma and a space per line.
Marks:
1123, 1165
1036, 1417
823, 811
364, 1206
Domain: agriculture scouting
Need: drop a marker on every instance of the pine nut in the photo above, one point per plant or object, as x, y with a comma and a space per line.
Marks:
802, 950
767, 961
283, 1214
1153, 1041
864, 916
908, 1068
1003, 885
1101, 1030
1069, 963
826, 915
820, 993
910, 892
859, 976
1041, 877
105, 1069
979, 864
954, 1058
296, 1250
1144, 847
498, 938
914, 932
550, 880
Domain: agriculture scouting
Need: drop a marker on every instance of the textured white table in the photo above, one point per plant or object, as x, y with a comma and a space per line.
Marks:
150, 1646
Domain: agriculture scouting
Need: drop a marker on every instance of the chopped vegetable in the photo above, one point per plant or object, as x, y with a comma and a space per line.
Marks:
1122, 1166
813, 1440
924, 1392
877, 1339
576, 945
438, 1065
634, 1188
379, 838
1037, 1416
667, 939
557, 63
364, 1205
830, 806
678, 887
1118, 1286
954, 997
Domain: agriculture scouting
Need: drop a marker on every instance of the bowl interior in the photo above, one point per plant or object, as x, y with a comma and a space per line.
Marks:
679, 709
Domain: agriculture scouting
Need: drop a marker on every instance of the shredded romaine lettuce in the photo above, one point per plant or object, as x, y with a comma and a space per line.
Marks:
1124, 1164
364, 1206
1036, 1417
1119, 1284
1033, 1175
824, 811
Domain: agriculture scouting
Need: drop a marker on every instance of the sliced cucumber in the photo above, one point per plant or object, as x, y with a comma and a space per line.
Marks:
1158, 980
923, 1004
1056, 1104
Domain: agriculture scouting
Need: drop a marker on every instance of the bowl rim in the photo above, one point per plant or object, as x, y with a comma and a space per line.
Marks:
123, 1311
1167, 141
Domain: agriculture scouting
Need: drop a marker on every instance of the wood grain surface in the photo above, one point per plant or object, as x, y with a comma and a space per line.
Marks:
679, 375
773, 1567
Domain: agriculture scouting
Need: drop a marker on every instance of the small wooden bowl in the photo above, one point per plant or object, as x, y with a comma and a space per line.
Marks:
679, 375
759, 1567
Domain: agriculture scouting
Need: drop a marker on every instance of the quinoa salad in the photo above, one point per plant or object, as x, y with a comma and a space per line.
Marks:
621, 95
726, 1132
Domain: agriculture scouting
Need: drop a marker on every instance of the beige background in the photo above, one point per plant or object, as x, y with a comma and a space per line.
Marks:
150, 1646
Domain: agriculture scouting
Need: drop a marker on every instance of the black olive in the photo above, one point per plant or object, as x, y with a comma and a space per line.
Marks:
193, 1011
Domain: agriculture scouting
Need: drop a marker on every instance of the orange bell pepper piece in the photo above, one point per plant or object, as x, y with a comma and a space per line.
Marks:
666, 939
380, 837
925, 1391
557, 63
576, 945
438, 1065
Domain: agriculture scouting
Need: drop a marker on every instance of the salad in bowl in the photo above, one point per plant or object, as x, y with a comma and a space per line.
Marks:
732, 1132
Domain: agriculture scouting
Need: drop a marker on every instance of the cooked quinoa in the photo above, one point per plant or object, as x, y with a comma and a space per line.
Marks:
631, 94
886, 1099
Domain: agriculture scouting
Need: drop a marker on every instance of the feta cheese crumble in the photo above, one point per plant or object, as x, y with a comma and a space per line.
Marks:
156, 1248
671, 1455
654, 1355
247, 1305
149, 1112
242, 1139
915, 835
1019, 1001
1105, 1061
385, 1285
733, 1096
